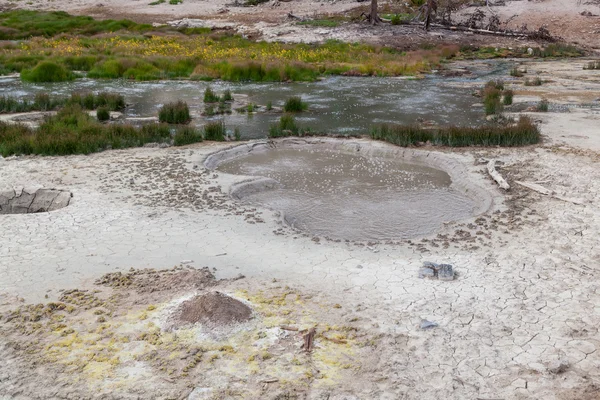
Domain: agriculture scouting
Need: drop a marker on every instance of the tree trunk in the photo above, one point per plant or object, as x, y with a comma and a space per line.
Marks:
374, 16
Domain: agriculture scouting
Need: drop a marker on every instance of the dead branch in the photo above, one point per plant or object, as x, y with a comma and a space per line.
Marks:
491, 167
547, 192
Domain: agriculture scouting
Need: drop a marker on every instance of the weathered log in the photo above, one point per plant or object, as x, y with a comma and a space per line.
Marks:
547, 192
491, 167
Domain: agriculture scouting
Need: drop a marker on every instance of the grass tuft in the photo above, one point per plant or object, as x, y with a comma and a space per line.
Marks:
47, 71
295, 104
174, 113
187, 135
103, 114
543, 106
286, 127
507, 97
210, 96
215, 131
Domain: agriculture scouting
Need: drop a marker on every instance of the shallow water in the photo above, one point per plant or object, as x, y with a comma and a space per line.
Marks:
337, 104
348, 196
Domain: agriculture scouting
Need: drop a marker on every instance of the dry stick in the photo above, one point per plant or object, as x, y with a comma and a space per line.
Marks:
309, 339
289, 328
547, 192
491, 167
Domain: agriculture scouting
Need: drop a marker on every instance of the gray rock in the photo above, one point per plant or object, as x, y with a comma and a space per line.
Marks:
445, 272
558, 366
425, 324
426, 273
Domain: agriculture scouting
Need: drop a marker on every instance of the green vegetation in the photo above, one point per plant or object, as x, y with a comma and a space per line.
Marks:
236, 134
525, 132
400, 19
157, 2
187, 135
286, 127
175, 2
269, 105
47, 71
210, 96
215, 131
507, 97
43, 102
135, 51
592, 65
492, 93
295, 104
174, 113
103, 114
533, 82
227, 96
22, 24
73, 131
543, 106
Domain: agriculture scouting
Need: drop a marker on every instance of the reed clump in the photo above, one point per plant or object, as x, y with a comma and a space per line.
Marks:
174, 113
523, 133
187, 135
215, 131
295, 104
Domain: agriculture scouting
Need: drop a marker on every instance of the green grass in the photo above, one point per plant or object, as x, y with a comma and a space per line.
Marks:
492, 93
227, 96
215, 131
73, 131
157, 2
286, 127
21, 24
47, 71
507, 97
295, 104
174, 113
103, 114
525, 132
44, 102
187, 135
210, 96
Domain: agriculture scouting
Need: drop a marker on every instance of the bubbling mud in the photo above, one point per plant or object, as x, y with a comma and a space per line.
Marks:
352, 190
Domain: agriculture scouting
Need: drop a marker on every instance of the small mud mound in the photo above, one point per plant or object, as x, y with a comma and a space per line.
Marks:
212, 309
33, 200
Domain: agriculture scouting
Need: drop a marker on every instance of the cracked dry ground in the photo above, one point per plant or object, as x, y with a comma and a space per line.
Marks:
520, 321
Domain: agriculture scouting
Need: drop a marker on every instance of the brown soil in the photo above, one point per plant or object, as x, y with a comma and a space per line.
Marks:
149, 281
213, 309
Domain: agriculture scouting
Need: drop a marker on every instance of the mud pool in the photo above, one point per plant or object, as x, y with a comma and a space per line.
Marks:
348, 195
